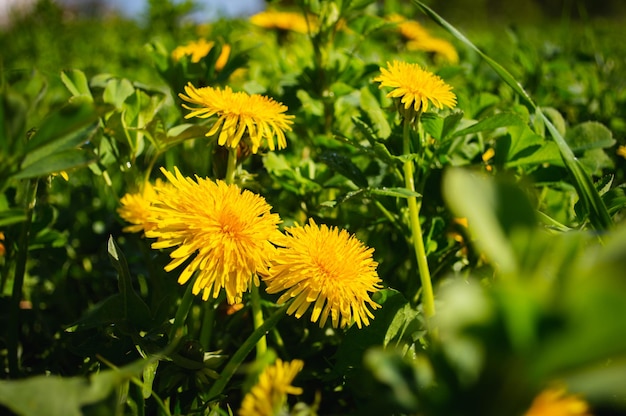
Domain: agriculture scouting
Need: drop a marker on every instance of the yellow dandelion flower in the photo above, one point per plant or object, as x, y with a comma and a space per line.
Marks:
223, 58
621, 151
412, 30
288, 21
328, 268
135, 208
269, 395
224, 233
3, 249
257, 117
555, 402
414, 88
196, 49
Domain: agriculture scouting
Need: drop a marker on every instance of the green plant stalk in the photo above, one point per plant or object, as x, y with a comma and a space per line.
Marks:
208, 319
243, 351
594, 205
182, 312
257, 317
13, 328
257, 312
428, 298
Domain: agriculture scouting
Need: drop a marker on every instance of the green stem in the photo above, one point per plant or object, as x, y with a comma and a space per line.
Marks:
182, 312
244, 350
257, 318
208, 319
428, 299
231, 167
13, 326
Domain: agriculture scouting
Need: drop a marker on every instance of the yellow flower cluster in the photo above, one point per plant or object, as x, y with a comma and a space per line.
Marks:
229, 237
419, 39
556, 402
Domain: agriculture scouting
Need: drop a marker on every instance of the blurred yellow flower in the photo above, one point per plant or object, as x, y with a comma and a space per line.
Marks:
221, 232
414, 88
3, 249
290, 21
196, 49
199, 49
621, 151
555, 402
328, 268
269, 395
135, 208
254, 118
418, 38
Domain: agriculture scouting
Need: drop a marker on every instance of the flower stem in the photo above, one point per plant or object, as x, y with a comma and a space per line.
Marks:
257, 318
244, 350
181, 313
231, 166
428, 299
13, 329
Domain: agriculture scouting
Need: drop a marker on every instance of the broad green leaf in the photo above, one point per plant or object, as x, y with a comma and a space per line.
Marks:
523, 140
67, 396
594, 206
395, 192
342, 164
76, 81
494, 210
491, 123
117, 91
57, 162
589, 135
11, 216
70, 141
450, 123
557, 119
367, 23
78, 113
433, 125
548, 153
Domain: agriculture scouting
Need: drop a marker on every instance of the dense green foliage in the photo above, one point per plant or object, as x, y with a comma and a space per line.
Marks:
531, 292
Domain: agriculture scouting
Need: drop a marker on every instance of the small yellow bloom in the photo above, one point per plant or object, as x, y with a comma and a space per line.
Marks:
269, 395
221, 232
327, 268
414, 88
196, 49
621, 151
555, 402
222, 60
255, 117
135, 208
419, 39
288, 21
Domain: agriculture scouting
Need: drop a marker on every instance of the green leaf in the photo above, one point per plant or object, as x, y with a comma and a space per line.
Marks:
117, 91
589, 135
396, 192
67, 396
342, 164
75, 115
76, 81
57, 162
135, 310
377, 116
72, 140
548, 153
490, 123
11, 216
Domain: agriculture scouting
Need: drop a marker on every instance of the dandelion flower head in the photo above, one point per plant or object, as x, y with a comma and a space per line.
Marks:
268, 396
414, 88
556, 402
281, 20
221, 232
195, 49
256, 117
419, 39
135, 208
328, 269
